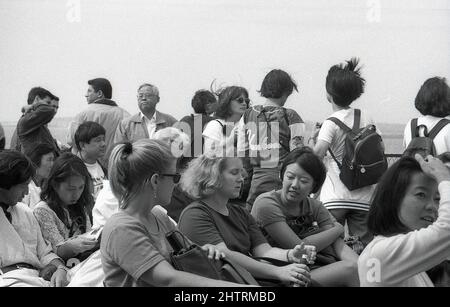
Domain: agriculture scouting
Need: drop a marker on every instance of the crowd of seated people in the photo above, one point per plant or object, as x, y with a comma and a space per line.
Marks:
241, 182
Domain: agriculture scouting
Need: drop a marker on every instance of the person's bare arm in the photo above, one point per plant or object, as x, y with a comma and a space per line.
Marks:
164, 275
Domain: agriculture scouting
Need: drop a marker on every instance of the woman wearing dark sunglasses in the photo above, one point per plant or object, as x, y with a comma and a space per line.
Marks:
233, 101
134, 248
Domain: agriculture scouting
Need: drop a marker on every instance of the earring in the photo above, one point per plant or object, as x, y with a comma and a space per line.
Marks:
155, 197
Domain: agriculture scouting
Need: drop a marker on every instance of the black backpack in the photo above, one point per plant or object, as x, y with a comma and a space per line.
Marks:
423, 145
364, 161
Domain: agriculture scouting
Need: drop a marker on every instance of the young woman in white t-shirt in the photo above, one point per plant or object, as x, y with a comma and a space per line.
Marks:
344, 85
433, 102
233, 101
410, 216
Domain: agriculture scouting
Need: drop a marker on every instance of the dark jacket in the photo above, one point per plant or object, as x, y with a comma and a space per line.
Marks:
195, 125
2, 138
32, 128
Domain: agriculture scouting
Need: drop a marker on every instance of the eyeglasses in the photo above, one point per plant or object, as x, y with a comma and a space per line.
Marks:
147, 95
175, 177
241, 100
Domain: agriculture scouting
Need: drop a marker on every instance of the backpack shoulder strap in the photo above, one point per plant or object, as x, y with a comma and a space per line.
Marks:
285, 115
414, 131
263, 112
439, 126
221, 125
286, 118
224, 128
334, 158
340, 124
356, 120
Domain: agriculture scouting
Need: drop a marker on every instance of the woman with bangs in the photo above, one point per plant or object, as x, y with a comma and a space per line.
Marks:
289, 216
410, 218
65, 212
233, 101
212, 180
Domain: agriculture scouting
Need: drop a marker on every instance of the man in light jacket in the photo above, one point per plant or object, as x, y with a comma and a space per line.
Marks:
101, 109
148, 121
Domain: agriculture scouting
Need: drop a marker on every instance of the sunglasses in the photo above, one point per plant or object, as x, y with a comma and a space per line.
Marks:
242, 100
175, 177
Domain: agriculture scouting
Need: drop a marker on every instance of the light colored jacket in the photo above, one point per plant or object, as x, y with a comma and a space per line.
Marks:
106, 115
133, 128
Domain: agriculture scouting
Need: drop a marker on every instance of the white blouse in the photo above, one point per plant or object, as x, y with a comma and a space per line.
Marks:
402, 260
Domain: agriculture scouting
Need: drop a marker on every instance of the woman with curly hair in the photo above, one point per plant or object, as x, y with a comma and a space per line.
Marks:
233, 101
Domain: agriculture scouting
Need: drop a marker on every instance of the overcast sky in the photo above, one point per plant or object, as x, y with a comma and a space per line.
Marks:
182, 45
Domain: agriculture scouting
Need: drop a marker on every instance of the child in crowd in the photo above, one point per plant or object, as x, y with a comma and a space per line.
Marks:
91, 146
266, 133
204, 104
65, 212
344, 85
410, 217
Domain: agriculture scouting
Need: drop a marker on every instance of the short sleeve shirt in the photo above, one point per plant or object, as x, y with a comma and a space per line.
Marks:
442, 139
267, 131
268, 209
335, 136
238, 230
216, 133
129, 250
97, 176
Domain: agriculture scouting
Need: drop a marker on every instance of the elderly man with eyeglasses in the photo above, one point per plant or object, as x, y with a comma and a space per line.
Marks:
148, 121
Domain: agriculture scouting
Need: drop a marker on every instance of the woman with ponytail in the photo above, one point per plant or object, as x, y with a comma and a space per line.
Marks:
344, 85
134, 248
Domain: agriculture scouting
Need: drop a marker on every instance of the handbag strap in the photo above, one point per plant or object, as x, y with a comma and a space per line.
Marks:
334, 158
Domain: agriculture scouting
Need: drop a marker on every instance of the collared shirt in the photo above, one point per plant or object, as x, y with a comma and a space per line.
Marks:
149, 123
22, 241
134, 128
5, 209
34, 195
